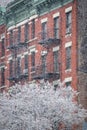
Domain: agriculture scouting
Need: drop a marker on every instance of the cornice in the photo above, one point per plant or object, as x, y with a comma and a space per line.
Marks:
21, 10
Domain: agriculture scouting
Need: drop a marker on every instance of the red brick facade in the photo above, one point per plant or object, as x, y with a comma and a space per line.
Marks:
70, 75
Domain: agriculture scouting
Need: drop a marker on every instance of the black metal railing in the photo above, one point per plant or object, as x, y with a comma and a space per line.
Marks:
48, 37
45, 72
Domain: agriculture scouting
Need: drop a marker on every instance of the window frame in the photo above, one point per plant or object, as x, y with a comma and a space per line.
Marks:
56, 65
26, 32
56, 27
33, 29
68, 57
69, 22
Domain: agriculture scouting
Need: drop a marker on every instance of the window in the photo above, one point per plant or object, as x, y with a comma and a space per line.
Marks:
3, 47
44, 30
26, 63
68, 57
56, 27
19, 34
33, 28
68, 22
33, 61
11, 37
26, 32
2, 77
56, 62
68, 84
18, 66
43, 64
11, 68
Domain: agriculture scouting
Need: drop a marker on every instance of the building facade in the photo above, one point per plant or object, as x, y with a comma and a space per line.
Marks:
2, 49
41, 38
44, 40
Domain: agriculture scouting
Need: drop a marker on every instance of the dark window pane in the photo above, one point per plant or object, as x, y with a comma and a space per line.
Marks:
56, 61
3, 47
44, 30
11, 37
56, 27
68, 84
2, 77
43, 63
18, 66
19, 34
68, 57
68, 22
11, 68
33, 61
26, 61
33, 28
26, 32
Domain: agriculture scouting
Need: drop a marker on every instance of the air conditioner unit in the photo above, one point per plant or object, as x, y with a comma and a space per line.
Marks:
25, 71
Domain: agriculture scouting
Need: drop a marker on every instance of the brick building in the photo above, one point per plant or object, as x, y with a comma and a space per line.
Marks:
47, 39
41, 37
2, 49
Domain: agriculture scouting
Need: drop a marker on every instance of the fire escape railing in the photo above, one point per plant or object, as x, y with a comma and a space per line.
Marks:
46, 71
49, 37
16, 48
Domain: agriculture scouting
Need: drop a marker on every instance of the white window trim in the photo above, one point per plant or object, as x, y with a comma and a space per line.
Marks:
56, 48
43, 53
11, 28
68, 44
68, 9
56, 15
44, 20
69, 79
56, 82
33, 17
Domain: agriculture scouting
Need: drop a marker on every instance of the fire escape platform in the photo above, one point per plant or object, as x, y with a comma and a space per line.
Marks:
18, 77
49, 41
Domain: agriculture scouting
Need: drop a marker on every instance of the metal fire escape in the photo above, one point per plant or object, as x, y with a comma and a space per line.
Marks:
45, 70
16, 47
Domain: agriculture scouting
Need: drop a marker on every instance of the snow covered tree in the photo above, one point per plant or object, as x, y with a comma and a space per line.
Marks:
39, 107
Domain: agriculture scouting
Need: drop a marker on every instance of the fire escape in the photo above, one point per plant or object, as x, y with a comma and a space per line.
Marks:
45, 70
16, 47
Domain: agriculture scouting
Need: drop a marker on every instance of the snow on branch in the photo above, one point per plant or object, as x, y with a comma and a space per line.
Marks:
39, 107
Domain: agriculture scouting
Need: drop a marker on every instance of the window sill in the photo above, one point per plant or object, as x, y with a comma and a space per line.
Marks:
68, 70
2, 57
3, 87
68, 34
32, 39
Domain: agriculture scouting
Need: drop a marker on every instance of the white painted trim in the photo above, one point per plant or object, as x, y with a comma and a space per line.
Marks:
68, 9
2, 35
68, 44
43, 53
44, 20
55, 82
68, 70
10, 58
56, 48
6, 67
56, 15
3, 66
0, 40
2, 57
33, 17
20, 55
68, 79
11, 28
33, 46
32, 50
25, 53
23, 22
